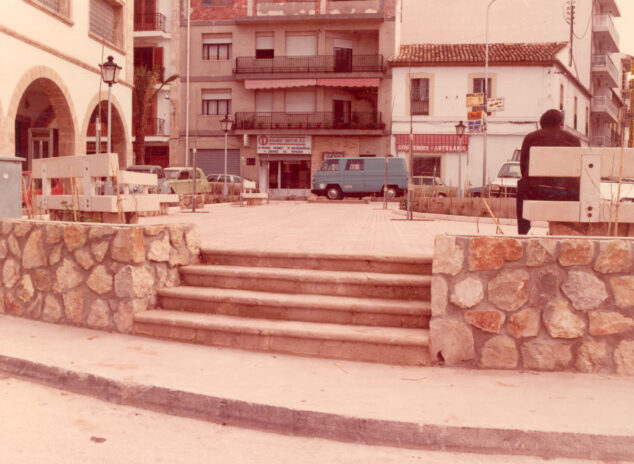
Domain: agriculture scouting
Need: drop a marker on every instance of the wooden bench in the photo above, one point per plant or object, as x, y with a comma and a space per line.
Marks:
593, 214
84, 178
253, 198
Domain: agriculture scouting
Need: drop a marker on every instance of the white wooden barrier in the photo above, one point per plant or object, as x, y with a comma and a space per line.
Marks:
92, 170
589, 165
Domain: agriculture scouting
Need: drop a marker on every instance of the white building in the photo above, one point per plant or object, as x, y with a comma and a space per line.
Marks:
532, 66
50, 81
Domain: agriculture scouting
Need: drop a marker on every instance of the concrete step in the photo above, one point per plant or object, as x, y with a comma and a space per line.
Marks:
331, 262
279, 280
357, 343
307, 308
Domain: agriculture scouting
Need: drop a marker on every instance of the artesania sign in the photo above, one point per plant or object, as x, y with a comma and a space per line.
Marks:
284, 144
475, 99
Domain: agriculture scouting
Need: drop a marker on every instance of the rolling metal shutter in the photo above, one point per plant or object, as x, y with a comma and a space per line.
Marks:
213, 161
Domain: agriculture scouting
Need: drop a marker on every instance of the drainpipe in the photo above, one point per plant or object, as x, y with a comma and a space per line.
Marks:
189, 13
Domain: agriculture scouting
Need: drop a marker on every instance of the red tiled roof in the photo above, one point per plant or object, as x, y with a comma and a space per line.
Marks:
473, 54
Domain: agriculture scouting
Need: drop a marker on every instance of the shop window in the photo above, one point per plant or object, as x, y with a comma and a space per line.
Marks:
419, 96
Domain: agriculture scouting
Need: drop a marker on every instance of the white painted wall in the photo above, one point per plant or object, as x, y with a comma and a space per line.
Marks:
528, 93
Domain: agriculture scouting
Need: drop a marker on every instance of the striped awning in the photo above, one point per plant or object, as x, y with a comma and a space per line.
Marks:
433, 143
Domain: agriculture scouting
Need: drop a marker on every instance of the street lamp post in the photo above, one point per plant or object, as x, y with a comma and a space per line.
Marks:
486, 97
110, 74
226, 124
460, 127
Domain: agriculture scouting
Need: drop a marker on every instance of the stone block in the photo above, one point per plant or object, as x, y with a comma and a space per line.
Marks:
561, 322
541, 251
524, 323
84, 258
24, 290
74, 237
74, 305
99, 250
10, 273
68, 276
614, 256
623, 288
100, 280
509, 289
55, 255
448, 255
128, 246
53, 234
545, 287
99, 315
42, 279
192, 240
52, 311
176, 235
97, 233
33, 254
609, 323
546, 355
592, 356
575, 252
624, 357
21, 228
14, 246
133, 282
159, 250
584, 289
451, 342
467, 293
489, 320
439, 296
499, 352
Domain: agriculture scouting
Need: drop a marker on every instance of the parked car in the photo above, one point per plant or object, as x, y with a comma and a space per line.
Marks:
232, 179
610, 189
433, 186
339, 177
504, 185
179, 178
28, 183
163, 186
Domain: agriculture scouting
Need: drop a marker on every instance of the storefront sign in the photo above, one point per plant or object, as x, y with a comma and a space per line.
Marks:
433, 143
495, 104
475, 99
284, 144
474, 125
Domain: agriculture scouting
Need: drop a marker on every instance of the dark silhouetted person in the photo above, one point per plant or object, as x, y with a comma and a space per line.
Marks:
551, 134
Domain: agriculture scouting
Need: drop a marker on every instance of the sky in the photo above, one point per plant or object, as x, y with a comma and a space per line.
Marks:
625, 25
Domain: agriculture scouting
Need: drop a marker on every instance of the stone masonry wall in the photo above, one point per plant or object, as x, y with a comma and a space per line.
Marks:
89, 275
533, 303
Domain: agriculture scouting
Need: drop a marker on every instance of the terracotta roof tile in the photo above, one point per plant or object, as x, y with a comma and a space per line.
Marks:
499, 53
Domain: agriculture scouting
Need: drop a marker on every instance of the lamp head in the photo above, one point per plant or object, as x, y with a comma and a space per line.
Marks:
110, 71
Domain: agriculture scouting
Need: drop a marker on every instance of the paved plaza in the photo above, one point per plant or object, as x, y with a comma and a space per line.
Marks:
326, 227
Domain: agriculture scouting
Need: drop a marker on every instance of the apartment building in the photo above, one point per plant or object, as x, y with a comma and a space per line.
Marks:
537, 61
302, 81
51, 85
156, 39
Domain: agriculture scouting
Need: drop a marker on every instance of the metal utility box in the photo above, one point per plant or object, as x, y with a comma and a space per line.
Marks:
11, 186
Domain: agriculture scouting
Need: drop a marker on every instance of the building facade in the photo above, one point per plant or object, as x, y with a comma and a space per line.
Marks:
537, 61
51, 85
302, 81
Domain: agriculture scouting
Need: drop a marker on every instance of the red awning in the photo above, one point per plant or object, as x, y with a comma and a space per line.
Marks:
433, 143
278, 83
349, 82
325, 82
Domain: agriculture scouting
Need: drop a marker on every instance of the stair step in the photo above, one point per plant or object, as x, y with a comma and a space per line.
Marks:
298, 307
332, 262
279, 280
359, 343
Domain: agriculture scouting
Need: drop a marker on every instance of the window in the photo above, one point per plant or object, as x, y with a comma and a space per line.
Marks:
56, 7
300, 101
217, 2
354, 165
106, 21
587, 120
561, 97
216, 103
419, 96
478, 86
574, 121
250, 162
330, 165
301, 45
216, 48
264, 46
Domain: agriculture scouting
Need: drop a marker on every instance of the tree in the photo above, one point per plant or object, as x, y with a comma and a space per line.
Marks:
147, 84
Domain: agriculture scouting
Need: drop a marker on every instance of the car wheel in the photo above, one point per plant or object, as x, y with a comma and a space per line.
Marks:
333, 192
442, 195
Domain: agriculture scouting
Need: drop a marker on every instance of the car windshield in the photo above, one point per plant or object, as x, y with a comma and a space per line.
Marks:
510, 170
172, 174
330, 165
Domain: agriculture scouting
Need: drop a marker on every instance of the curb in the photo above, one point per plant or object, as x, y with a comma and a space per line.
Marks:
325, 425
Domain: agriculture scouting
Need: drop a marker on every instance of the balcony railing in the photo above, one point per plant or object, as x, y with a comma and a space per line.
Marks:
419, 107
603, 104
155, 127
286, 8
150, 22
604, 23
317, 120
602, 141
309, 64
604, 61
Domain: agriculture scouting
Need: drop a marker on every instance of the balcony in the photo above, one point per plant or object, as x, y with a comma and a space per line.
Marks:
609, 7
602, 141
155, 127
351, 7
302, 10
317, 121
325, 64
603, 106
604, 67
286, 8
150, 22
605, 32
